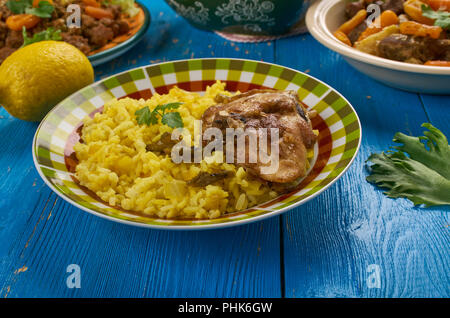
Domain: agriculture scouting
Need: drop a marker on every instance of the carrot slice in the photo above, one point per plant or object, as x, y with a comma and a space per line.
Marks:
92, 3
348, 26
341, 36
368, 32
388, 18
98, 13
418, 29
36, 2
18, 21
438, 63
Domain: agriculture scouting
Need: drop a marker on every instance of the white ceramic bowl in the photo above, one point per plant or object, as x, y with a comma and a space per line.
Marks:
324, 17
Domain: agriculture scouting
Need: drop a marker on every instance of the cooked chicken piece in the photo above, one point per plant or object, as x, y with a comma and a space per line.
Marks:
267, 109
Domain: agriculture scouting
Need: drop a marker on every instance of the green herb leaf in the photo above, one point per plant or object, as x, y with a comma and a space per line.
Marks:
43, 10
438, 155
46, 35
148, 117
172, 120
144, 116
442, 17
422, 175
18, 6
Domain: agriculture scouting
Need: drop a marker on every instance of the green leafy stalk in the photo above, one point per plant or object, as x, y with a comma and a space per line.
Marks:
151, 117
422, 175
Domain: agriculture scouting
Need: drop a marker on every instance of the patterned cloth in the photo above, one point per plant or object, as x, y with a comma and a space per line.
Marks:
244, 38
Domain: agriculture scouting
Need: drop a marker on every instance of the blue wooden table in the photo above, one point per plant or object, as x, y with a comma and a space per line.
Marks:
351, 241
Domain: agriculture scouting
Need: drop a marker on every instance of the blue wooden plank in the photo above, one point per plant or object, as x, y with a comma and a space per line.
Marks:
330, 242
41, 234
438, 111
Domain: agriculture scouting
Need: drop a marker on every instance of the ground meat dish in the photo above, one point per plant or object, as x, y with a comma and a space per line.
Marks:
93, 34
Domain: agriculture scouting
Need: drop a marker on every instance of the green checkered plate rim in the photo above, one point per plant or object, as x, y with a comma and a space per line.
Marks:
338, 124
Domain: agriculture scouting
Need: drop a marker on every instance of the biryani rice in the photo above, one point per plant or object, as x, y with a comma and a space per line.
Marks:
114, 163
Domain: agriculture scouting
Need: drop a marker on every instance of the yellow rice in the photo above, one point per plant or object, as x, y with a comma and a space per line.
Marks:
114, 163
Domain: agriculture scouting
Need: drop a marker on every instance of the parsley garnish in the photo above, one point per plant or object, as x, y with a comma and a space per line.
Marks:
442, 17
150, 117
43, 10
414, 172
18, 6
49, 34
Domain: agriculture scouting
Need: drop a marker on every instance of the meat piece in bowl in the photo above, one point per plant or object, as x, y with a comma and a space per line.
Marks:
413, 49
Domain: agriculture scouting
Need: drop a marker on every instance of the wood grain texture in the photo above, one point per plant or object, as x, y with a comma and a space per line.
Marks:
321, 249
331, 241
437, 109
42, 234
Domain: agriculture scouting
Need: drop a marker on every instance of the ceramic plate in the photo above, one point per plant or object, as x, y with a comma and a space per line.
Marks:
121, 44
337, 122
